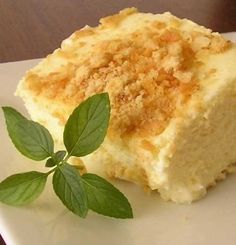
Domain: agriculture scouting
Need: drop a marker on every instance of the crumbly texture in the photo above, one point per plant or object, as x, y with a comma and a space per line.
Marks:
172, 89
148, 69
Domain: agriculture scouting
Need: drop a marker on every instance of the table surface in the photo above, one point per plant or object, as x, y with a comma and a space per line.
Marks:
32, 29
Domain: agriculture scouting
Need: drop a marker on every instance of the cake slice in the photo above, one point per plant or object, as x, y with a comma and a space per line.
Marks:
172, 86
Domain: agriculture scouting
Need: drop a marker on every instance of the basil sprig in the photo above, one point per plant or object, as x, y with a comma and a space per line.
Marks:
84, 132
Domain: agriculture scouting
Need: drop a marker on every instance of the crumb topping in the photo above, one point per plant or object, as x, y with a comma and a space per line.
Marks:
148, 72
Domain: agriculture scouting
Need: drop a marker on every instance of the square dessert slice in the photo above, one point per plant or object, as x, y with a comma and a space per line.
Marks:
172, 86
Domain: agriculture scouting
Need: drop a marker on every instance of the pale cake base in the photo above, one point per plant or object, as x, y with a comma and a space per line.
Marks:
173, 97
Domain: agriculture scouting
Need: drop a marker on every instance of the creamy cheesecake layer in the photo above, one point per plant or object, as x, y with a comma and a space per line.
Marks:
195, 149
172, 88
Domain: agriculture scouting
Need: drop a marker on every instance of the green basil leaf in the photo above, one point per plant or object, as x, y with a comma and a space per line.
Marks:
30, 138
50, 163
105, 199
59, 156
55, 159
68, 186
20, 189
86, 128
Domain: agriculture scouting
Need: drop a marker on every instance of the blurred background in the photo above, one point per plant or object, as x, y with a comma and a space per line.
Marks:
32, 29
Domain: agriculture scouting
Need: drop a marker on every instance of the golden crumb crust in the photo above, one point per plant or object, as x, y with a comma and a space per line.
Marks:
147, 63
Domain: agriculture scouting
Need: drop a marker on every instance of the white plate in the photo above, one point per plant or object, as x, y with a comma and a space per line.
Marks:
46, 221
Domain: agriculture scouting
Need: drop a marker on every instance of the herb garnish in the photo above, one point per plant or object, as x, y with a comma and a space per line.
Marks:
84, 132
